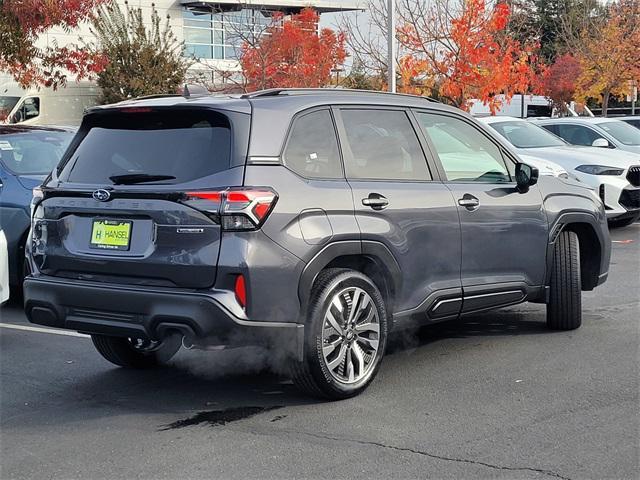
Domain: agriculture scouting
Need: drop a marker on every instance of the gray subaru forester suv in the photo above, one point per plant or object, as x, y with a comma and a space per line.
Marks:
312, 222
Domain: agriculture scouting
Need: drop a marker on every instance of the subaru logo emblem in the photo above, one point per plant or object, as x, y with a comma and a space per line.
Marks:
101, 195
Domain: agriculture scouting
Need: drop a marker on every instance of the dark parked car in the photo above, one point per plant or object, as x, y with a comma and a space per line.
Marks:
313, 222
27, 155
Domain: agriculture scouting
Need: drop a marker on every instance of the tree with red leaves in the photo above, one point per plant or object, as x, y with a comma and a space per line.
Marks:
559, 80
465, 46
292, 53
22, 21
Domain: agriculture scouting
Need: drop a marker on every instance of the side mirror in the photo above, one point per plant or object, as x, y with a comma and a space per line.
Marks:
526, 176
601, 143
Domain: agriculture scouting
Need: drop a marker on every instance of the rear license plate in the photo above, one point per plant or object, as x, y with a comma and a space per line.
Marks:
111, 234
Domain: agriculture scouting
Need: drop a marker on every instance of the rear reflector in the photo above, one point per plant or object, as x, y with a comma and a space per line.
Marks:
241, 291
235, 208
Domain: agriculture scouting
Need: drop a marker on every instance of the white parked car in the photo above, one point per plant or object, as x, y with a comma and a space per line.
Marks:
633, 120
4, 269
594, 132
613, 174
545, 167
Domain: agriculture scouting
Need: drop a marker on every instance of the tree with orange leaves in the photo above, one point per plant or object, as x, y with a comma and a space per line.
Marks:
292, 53
608, 53
22, 21
465, 45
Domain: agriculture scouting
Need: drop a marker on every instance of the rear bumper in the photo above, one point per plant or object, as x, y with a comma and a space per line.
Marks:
211, 318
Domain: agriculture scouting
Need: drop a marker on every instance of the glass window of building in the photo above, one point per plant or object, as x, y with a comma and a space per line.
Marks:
220, 35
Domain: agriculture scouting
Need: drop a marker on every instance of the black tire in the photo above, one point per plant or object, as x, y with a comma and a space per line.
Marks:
312, 375
625, 222
120, 351
564, 310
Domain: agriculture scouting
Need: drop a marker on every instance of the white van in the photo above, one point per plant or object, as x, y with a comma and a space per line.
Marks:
520, 106
46, 106
528, 106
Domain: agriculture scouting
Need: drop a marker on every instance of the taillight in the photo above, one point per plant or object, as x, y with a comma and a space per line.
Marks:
235, 208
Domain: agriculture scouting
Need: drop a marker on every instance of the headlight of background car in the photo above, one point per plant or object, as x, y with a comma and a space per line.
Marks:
599, 170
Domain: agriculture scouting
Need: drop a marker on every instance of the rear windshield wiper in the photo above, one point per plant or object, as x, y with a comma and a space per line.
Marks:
133, 178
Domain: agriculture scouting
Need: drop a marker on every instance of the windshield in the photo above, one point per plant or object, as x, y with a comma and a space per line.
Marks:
527, 135
150, 146
6, 105
33, 152
621, 131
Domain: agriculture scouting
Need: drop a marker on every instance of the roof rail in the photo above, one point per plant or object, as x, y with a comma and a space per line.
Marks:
192, 91
272, 92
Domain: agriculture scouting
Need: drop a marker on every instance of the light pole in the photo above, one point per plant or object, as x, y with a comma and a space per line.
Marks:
391, 44
337, 71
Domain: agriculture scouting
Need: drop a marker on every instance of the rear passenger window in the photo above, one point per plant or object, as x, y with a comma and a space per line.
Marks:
312, 149
383, 146
577, 134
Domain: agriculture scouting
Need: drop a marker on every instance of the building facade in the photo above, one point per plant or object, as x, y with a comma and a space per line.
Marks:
212, 31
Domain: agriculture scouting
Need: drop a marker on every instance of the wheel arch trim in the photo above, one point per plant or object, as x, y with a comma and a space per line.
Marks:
577, 222
375, 251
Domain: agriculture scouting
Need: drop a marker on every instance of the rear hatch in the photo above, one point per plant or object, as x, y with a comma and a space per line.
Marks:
119, 208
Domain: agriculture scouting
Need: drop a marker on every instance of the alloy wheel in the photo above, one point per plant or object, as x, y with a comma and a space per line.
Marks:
350, 335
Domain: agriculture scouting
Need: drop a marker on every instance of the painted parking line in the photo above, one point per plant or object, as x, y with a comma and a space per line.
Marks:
29, 328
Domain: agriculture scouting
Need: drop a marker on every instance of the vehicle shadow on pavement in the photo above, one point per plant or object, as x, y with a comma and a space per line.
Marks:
519, 320
224, 386
248, 378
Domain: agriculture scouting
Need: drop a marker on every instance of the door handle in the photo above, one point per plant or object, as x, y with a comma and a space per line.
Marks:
375, 201
469, 202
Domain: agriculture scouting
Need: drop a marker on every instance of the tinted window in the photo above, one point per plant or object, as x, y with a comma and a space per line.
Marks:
577, 134
312, 149
186, 145
383, 146
633, 121
539, 111
34, 152
465, 153
526, 135
552, 128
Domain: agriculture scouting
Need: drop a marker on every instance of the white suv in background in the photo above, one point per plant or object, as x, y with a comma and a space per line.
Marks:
613, 174
594, 132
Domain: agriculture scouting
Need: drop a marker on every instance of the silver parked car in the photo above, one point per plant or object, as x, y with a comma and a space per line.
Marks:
595, 132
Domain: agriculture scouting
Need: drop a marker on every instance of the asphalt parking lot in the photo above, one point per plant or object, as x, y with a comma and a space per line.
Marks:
495, 396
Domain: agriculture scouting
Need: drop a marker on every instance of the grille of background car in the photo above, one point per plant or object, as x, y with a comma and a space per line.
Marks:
630, 199
634, 176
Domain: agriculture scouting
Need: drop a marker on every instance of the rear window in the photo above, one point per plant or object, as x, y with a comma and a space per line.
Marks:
174, 146
33, 152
